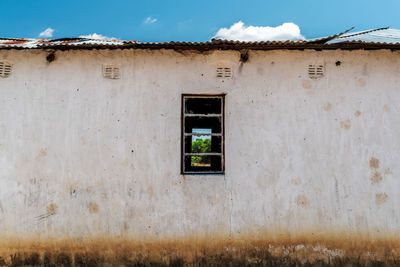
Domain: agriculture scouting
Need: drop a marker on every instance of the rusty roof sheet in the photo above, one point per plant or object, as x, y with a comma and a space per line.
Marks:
383, 38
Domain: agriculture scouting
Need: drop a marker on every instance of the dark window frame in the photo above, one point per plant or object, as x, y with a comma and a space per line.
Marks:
222, 97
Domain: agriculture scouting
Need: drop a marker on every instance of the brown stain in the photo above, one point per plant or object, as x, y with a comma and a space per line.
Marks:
125, 226
357, 113
42, 153
125, 162
52, 209
306, 249
93, 207
260, 71
150, 191
381, 198
83, 140
306, 84
386, 108
388, 171
328, 106
302, 201
376, 178
373, 163
318, 190
131, 213
295, 181
346, 124
362, 82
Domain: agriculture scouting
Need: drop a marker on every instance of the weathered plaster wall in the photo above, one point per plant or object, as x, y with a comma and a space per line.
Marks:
83, 156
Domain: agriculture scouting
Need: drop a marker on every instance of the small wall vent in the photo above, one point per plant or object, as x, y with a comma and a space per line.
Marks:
224, 72
111, 71
316, 71
5, 69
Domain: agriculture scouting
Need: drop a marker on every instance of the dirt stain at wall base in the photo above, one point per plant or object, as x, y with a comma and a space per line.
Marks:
302, 251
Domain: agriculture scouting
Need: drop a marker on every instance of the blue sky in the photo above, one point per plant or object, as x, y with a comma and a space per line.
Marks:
188, 20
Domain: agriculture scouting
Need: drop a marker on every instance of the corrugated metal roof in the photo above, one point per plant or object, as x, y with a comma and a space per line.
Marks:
376, 36
322, 40
387, 38
48, 43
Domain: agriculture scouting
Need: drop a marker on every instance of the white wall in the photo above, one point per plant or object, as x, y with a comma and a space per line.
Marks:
81, 155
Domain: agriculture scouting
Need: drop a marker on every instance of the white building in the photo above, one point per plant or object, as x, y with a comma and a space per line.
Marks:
101, 155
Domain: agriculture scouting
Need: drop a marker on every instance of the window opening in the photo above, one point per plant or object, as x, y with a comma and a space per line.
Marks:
202, 134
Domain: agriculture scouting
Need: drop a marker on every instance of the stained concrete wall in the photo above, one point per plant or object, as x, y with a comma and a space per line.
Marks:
86, 156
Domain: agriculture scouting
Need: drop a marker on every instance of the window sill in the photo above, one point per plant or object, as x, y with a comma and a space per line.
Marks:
202, 176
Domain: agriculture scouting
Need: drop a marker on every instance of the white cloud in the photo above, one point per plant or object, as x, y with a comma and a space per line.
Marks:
97, 36
47, 33
150, 20
240, 32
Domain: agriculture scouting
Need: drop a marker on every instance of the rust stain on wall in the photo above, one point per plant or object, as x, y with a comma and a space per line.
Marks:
386, 108
42, 153
362, 82
295, 181
150, 191
374, 163
83, 140
328, 106
302, 201
357, 113
376, 178
52, 209
93, 207
381, 198
346, 124
388, 171
310, 249
306, 84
